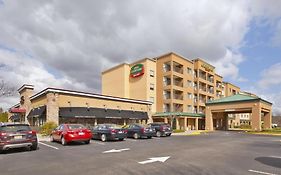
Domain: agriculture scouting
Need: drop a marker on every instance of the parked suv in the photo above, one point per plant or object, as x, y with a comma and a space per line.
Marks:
162, 129
15, 135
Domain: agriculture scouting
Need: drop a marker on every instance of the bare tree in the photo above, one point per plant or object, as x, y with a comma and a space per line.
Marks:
6, 89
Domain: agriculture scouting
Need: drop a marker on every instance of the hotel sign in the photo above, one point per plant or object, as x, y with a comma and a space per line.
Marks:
137, 70
208, 67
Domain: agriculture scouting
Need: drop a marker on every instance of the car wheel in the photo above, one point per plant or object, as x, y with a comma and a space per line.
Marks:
103, 138
136, 136
168, 134
52, 138
34, 146
149, 137
88, 141
121, 139
158, 134
63, 141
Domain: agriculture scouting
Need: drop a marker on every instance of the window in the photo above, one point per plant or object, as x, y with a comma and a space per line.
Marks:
151, 86
189, 108
151, 73
189, 96
151, 99
189, 70
189, 83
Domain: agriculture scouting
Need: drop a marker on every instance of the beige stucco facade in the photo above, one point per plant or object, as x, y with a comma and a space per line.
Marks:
54, 99
118, 82
217, 114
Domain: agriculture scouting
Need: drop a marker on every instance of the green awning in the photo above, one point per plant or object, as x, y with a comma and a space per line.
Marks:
186, 114
236, 98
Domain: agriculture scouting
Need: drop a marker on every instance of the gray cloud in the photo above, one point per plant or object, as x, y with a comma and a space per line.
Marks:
68, 43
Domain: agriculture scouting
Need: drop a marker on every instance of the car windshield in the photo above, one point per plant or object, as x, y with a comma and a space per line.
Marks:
76, 126
15, 128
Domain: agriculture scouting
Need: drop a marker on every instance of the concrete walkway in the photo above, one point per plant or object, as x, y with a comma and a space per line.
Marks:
190, 132
43, 138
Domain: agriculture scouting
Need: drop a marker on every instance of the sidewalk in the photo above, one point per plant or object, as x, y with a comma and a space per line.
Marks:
190, 132
43, 138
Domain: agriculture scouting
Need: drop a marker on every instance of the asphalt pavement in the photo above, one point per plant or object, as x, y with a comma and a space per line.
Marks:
217, 153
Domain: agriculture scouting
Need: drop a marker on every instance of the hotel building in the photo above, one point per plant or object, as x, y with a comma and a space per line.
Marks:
177, 87
188, 94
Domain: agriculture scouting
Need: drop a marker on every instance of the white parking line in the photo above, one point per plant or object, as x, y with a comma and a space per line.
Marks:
260, 172
48, 145
157, 138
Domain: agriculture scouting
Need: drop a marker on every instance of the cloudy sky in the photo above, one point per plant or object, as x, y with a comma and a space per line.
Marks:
68, 43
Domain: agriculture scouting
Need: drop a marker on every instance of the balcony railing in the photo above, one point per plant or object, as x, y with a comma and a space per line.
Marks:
211, 91
202, 76
178, 97
167, 96
178, 83
167, 82
178, 70
167, 68
210, 80
203, 89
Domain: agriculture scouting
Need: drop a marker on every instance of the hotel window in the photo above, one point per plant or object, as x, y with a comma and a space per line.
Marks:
189, 108
151, 73
151, 99
189, 70
189, 96
151, 86
189, 83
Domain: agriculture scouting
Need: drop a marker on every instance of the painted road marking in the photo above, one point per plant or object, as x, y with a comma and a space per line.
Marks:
260, 172
276, 157
154, 159
48, 145
116, 150
157, 138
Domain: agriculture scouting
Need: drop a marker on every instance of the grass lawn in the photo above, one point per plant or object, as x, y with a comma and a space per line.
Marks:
273, 131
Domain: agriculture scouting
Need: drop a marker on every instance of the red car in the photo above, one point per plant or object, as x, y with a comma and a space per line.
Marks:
66, 133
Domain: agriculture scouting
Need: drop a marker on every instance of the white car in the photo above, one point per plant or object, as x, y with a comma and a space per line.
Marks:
274, 125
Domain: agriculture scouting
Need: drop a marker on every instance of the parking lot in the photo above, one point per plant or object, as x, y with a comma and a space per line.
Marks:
221, 152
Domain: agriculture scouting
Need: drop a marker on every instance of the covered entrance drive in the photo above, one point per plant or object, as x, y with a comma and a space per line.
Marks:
181, 120
217, 111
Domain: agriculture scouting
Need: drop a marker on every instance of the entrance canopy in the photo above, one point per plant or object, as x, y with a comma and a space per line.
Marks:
17, 110
240, 103
37, 112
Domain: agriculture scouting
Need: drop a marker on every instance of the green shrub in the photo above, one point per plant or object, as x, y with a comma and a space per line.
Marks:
4, 117
47, 128
178, 130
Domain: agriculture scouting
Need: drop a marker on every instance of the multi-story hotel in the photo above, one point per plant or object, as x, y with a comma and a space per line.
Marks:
188, 94
175, 85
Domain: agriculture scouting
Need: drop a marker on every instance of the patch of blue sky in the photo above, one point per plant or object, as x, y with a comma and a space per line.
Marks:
4, 47
259, 51
54, 72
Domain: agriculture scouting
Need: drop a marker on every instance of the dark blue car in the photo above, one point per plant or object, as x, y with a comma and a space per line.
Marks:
106, 132
137, 131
